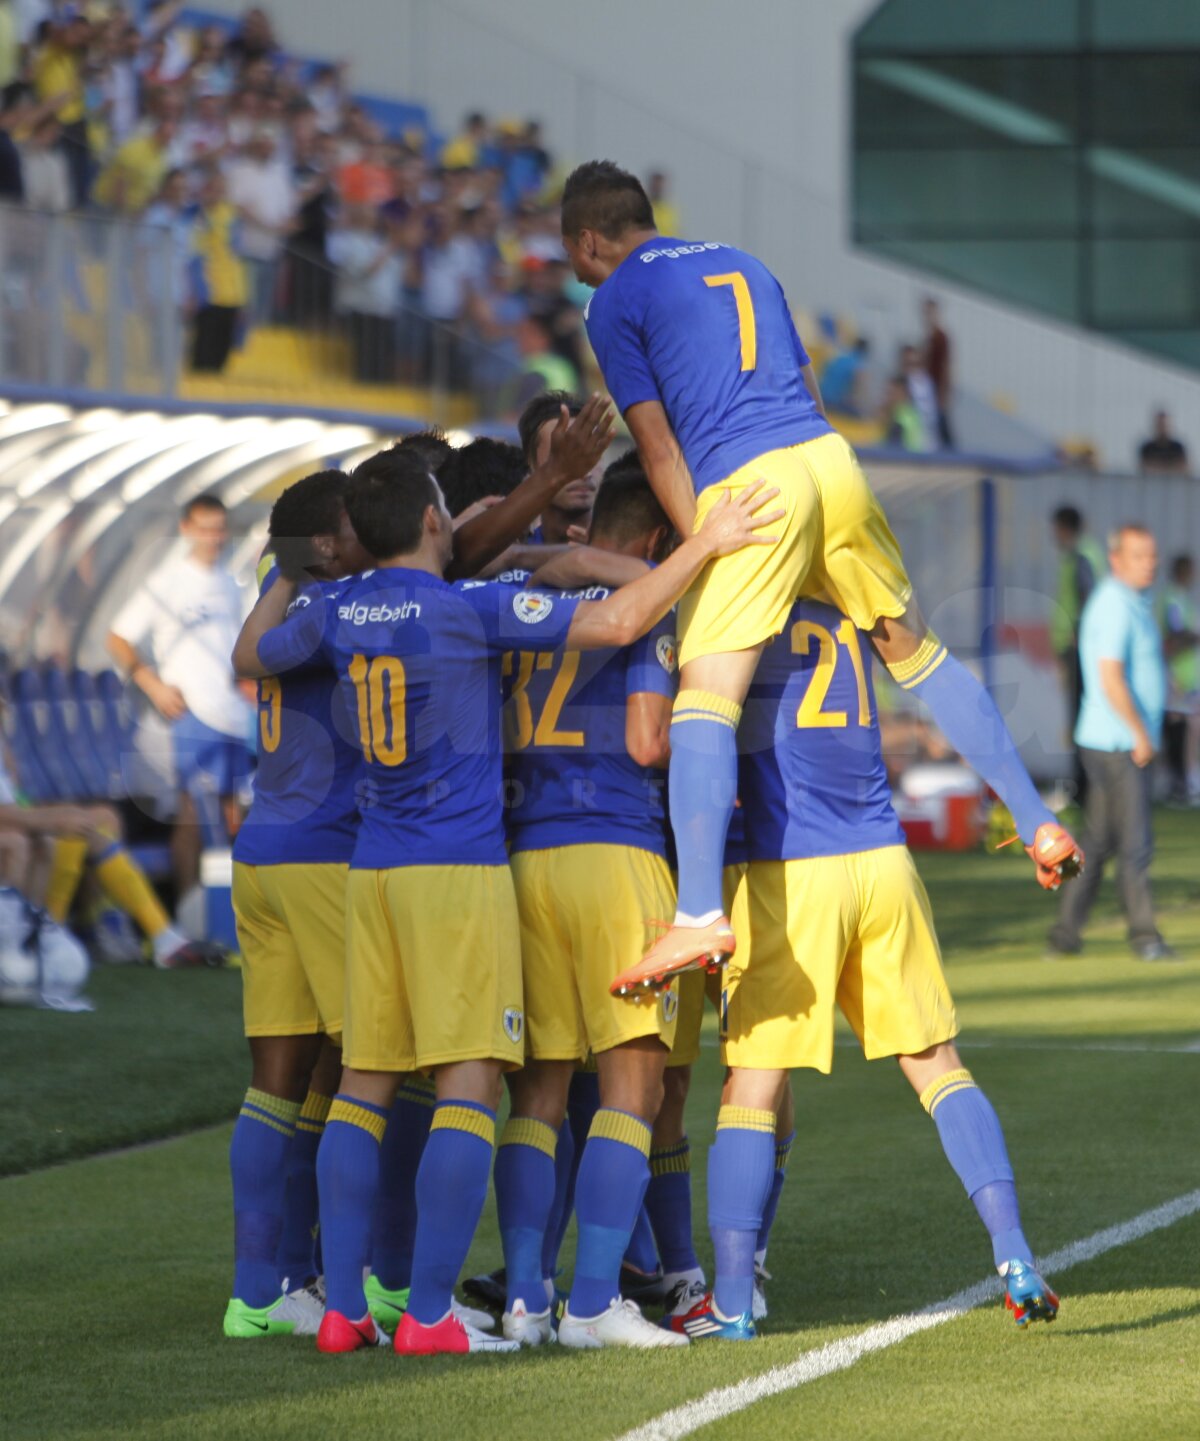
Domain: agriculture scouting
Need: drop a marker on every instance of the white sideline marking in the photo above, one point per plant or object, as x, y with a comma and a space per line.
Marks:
842, 1354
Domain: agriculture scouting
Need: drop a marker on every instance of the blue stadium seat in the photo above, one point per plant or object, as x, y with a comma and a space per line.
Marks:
94, 721
39, 768
70, 739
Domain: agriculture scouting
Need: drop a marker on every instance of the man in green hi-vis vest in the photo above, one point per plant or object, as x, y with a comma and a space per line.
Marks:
1081, 567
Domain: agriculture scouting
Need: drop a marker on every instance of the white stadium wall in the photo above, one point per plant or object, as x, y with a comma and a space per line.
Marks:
747, 106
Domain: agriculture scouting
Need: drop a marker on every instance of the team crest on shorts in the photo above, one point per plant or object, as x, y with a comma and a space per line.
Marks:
667, 652
514, 1024
532, 606
670, 1004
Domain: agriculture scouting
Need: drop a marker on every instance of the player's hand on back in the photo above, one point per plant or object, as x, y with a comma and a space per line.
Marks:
739, 520
576, 446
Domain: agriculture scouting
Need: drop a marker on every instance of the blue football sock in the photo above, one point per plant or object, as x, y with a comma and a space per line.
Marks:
669, 1206
702, 783
564, 1201
525, 1183
296, 1257
451, 1188
347, 1180
258, 1158
967, 716
608, 1197
741, 1167
974, 1144
783, 1149
583, 1101
642, 1253
394, 1226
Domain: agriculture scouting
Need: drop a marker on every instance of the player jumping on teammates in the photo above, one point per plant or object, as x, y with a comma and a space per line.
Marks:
837, 916
700, 354
433, 967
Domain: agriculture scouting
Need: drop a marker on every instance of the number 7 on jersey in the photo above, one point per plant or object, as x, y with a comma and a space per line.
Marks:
745, 314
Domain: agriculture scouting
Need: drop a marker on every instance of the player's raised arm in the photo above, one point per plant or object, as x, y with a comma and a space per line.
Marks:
621, 618
580, 565
663, 462
269, 611
576, 446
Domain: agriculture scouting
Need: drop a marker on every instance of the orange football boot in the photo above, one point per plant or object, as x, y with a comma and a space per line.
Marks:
679, 949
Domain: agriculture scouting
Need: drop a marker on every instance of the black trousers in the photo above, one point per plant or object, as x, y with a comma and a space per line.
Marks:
1073, 678
213, 336
1116, 825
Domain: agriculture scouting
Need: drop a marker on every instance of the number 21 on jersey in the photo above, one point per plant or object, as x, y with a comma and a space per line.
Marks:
811, 714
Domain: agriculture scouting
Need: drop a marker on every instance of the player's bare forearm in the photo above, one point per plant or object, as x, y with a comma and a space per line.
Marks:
663, 462
270, 610
576, 446
126, 656
522, 556
648, 728
814, 389
578, 565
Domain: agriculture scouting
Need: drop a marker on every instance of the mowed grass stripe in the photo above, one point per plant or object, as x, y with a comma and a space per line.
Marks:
840, 1355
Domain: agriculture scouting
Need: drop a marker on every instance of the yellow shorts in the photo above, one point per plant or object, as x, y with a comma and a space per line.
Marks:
291, 925
852, 930
834, 544
433, 968
586, 914
695, 987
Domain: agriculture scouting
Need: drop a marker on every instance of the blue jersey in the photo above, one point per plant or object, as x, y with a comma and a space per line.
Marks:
571, 780
305, 807
420, 662
705, 329
811, 775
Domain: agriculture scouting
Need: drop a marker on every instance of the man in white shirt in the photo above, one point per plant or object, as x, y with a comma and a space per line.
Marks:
260, 184
188, 614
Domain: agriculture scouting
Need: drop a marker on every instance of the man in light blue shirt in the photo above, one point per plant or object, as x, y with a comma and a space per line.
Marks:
1118, 735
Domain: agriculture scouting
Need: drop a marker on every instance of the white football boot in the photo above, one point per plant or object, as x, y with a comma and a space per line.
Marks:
530, 1328
621, 1325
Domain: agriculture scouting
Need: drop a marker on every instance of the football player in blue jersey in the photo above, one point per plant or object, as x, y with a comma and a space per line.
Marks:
701, 356
587, 737
433, 968
837, 916
569, 514
289, 881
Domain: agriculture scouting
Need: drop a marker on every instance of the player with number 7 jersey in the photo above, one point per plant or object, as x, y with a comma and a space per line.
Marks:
700, 354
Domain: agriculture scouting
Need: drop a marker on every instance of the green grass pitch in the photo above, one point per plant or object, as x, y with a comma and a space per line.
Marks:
116, 1265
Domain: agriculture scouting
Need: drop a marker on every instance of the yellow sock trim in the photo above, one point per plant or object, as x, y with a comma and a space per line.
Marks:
620, 1126
70, 855
745, 1118
911, 672
705, 705
271, 1111
418, 1090
314, 1113
937, 1091
671, 1160
465, 1118
783, 1152
127, 886
526, 1131
358, 1116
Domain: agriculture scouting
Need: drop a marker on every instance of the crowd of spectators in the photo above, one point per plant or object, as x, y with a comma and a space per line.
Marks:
285, 200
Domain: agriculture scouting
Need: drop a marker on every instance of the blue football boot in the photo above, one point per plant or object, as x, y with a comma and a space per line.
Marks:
1027, 1296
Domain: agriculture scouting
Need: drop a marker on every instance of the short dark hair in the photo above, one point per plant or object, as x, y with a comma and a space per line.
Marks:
309, 507
1181, 565
431, 445
626, 507
1066, 517
600, 196
540, 409
207, 501
484, 467
386, 499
